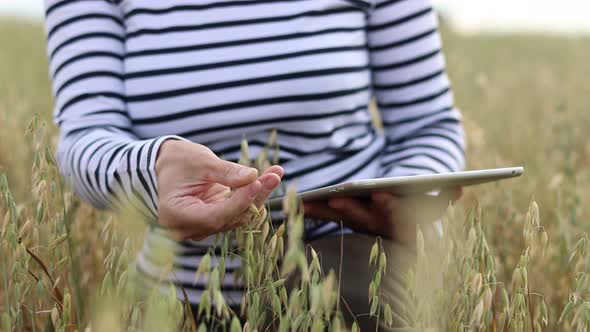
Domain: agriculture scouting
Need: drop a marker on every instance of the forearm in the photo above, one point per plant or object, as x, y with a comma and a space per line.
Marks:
112, 169
414, 95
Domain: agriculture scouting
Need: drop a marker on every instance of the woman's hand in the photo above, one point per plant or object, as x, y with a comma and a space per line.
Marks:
200, 194
385, 214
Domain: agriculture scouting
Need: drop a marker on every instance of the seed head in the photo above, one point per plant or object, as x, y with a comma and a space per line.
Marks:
487, 298
535, 214
55, 318
476, 283
477, 313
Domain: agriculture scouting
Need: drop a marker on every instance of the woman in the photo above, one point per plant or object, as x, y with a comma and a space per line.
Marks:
148, 94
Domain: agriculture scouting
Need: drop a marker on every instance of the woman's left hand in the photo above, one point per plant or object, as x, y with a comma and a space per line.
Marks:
390, 216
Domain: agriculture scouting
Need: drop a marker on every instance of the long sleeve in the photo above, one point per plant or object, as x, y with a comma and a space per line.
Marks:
98, 151
422, 126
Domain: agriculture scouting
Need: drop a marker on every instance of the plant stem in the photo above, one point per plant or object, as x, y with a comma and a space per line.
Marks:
340, 266
4, 261
5, 278
73, 260
530, 304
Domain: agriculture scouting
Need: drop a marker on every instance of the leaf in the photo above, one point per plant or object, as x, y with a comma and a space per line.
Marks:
204, 305
382, 262
276, 305
253, 210
543, 310
222, 267
297, 323
284, 297
374, 305
219, 302
204, 267
372, 289
281, 230
568, 307
524, 275
377, 280
189, 310
318, 325
544, 240
245, 155
42, 265
535, 213
374, 252
279, 283
6, 322
55, 318
477, 313
355, 327
49, 157
235, 325
388, 315
336, 324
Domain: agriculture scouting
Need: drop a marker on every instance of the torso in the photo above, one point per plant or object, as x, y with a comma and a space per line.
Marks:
215, 73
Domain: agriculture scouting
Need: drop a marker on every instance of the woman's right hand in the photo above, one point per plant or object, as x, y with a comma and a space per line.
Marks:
200, 194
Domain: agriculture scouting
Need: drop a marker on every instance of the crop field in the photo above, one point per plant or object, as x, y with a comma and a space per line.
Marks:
514, 256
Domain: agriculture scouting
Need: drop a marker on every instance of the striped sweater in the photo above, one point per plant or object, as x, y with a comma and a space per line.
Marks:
127, 75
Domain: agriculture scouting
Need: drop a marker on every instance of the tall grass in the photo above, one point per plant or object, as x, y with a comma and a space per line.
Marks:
513, 257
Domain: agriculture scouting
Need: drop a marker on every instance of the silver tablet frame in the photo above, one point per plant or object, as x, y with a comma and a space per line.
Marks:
405, 185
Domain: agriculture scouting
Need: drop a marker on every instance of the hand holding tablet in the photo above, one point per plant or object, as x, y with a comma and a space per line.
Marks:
404, 185
384, 214
391, 207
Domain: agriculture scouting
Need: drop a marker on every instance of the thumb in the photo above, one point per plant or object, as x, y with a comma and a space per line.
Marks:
231, 174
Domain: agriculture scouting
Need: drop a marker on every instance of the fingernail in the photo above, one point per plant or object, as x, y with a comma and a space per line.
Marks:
245, 171
281, 170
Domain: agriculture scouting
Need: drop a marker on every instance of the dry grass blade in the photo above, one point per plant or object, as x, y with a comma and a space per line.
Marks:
51, 292
189, 311
55, 292
41, 264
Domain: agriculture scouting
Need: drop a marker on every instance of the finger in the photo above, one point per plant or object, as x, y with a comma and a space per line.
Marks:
230, 174
354, 213
401, 227
216, 192
270, 181
383, 199
178, 235
201, 219
320, 211
278, 170
189, 220
188, 234
236, 204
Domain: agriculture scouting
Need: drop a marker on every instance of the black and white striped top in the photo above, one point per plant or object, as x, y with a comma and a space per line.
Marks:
129, 74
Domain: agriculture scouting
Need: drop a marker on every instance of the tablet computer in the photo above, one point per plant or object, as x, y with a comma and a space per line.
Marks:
405, 185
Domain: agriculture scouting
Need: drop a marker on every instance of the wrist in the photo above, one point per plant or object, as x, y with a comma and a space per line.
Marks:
164, 154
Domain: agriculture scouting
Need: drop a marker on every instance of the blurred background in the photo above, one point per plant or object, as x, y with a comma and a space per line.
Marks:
467, 16
520, 72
